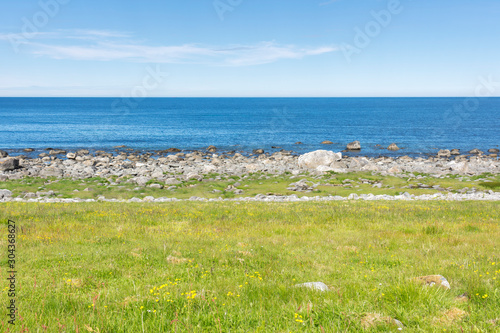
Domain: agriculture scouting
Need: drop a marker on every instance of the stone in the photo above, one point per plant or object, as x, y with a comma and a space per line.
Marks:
141, 181
216, 161
326, 142
393, 147
71, 156
30, 195
444, 153
5, 194
394, 170
475, 151
355, 145
320, 286
28, 150
494, 151
258, 151
212, 149
57, 152
193, 175
431, 280
9, 163
318, 158
372, 320
455, 152
172, 181
298, 143
156, 186
302, 185
3, 154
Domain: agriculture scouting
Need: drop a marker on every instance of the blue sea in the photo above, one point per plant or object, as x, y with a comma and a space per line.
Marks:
419, 126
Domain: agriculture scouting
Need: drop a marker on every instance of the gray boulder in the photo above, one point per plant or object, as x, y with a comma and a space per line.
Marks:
393, 147
355, 145
57, 152
313, 285
193, 175
444, 153
475, 151
51, 172
141, 181
172, 181
318, 158
8, 163
5, 194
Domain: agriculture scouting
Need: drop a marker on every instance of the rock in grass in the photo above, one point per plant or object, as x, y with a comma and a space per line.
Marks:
5, 194
313, 285
7, 164
142, 180
431, 280
371, 320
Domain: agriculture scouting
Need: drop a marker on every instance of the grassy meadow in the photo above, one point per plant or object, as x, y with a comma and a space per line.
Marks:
232, 266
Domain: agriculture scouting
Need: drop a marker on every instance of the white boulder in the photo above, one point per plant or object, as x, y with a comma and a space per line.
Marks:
319, 158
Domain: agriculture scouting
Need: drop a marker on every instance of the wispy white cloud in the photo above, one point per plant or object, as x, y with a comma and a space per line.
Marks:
99, 45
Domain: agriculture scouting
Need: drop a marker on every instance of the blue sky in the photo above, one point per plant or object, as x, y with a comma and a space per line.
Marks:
249, 48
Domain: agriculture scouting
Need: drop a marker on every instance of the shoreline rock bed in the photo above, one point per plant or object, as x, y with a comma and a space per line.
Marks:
176, 168
489, 196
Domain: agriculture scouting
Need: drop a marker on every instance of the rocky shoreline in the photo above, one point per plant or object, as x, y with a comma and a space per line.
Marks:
172, 167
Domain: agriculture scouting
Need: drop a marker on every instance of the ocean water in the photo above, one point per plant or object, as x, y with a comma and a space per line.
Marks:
417, 125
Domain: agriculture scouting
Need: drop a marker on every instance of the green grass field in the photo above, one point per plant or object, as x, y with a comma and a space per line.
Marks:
232, 267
